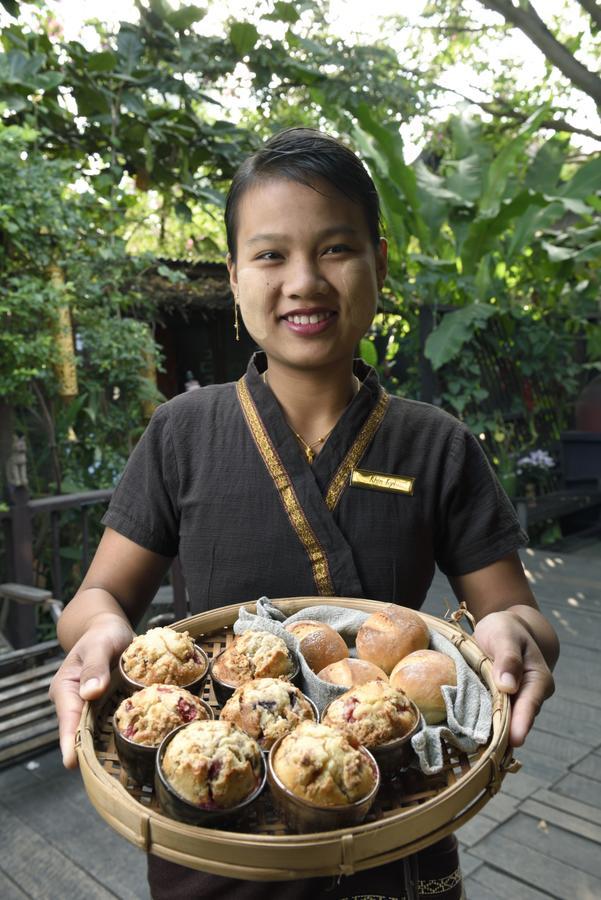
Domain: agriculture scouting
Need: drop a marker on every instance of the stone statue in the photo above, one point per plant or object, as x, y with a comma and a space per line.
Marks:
16, 464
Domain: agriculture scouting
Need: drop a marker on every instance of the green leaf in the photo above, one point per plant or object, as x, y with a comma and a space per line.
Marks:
129, 48
283, 12
101, 62
545, 169
11, 7
368, 352
483, 232
181, 19
243, 36
585, 182
182, 211
465, 178
445, 342
561, 254
504, 165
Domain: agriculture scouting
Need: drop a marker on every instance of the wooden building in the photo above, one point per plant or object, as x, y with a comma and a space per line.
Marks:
195, 327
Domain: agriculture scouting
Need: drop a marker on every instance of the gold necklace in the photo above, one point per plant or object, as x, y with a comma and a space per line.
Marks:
308, 448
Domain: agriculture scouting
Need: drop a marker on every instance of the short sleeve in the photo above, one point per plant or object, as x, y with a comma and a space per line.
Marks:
476, 522
144, 505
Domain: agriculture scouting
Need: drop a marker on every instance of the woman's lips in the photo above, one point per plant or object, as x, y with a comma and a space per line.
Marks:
309, 321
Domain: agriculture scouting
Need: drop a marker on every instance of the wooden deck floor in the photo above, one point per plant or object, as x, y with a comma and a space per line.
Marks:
540, 837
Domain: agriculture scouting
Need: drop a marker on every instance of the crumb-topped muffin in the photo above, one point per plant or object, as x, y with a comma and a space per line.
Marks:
323, 765
267, 708
214, 765
163, 656
254, 654
373, 713
148, 715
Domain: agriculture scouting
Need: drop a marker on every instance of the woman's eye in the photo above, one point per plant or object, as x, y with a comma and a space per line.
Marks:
338, 248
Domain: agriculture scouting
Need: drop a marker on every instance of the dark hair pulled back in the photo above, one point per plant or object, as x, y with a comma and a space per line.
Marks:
304, 155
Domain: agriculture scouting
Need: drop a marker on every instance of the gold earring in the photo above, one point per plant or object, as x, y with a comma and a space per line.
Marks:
236, 323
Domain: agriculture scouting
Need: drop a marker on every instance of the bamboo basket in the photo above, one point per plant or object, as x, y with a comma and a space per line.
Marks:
410, 813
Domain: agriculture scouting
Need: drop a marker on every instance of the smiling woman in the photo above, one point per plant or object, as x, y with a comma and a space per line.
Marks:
287, 484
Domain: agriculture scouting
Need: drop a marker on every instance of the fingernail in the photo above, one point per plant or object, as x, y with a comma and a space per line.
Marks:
91, 684
508, 681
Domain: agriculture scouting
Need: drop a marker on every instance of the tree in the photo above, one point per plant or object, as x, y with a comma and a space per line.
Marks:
525, 17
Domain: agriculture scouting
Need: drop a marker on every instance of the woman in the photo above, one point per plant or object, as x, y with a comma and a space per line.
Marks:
271, 485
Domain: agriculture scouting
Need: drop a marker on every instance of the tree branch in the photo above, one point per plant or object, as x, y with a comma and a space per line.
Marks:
497, 107
528, 21
593, 9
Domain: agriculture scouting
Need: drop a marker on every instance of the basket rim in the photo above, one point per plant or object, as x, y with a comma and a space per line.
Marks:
433, 818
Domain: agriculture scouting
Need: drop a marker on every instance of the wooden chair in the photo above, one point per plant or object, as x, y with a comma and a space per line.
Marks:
28, 721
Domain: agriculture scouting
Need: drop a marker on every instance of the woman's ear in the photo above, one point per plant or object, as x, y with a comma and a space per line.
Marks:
231, 267
382, 262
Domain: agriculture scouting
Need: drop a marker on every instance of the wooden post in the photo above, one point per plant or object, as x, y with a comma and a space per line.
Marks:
21, 622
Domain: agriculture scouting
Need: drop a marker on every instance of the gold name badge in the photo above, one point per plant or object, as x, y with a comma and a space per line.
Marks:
378, 481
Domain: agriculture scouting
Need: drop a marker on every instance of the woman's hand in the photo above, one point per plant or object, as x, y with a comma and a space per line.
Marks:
84, 675
519, 668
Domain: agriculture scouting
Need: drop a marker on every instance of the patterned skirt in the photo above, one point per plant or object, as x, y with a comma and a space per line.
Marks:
433, 872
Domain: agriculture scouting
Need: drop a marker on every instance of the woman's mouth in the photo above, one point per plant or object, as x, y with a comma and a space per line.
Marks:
309, 321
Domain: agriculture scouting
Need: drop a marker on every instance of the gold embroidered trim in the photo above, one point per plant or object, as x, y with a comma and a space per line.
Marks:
427, 888
275, 467
364, 438
439, 885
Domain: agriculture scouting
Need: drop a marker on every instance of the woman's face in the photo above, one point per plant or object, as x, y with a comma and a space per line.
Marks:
307, 273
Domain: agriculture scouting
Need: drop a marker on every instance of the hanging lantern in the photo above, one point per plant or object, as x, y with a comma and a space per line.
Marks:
66, 369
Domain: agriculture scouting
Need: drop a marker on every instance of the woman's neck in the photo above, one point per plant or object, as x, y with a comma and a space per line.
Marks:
312, 401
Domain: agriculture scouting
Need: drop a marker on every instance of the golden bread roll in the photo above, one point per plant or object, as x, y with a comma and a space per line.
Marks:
351, 672
319, 643
420, 675
389, 635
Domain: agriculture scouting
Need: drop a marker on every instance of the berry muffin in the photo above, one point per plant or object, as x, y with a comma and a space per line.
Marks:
323, 766
213, 765
148, 715
163, 656
267, 708
254, 654
373, 713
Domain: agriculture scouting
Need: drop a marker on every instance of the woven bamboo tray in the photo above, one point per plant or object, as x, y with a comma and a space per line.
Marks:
410, 813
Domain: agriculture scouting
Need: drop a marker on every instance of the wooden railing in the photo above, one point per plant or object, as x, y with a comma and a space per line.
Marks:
19, 523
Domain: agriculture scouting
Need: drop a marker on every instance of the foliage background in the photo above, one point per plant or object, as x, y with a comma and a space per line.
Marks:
117, 150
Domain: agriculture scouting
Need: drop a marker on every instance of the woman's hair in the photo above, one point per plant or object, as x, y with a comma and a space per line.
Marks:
304, 155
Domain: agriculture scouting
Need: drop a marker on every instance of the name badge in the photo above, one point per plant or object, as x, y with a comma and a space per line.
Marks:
378, 481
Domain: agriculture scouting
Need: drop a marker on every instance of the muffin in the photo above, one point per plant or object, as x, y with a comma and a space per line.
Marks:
373, 713
323, 766
163, 656
267, 708
420, 675
319, 643
213, 765
148, 715
254, 654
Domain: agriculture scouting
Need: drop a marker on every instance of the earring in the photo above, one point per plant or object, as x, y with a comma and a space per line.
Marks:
236, 323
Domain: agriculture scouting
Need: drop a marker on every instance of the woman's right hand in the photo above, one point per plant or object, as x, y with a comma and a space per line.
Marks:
84, 675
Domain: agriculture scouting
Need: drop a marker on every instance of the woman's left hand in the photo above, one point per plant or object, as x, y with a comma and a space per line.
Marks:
519, 668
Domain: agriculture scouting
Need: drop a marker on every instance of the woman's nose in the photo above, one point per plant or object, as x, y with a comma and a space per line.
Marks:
304, 279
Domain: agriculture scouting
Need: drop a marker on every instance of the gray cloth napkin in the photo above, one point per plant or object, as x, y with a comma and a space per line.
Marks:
469, 706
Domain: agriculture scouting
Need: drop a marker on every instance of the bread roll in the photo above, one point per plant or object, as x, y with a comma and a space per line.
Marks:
319, 643
420, 675
351, 672
387, 636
